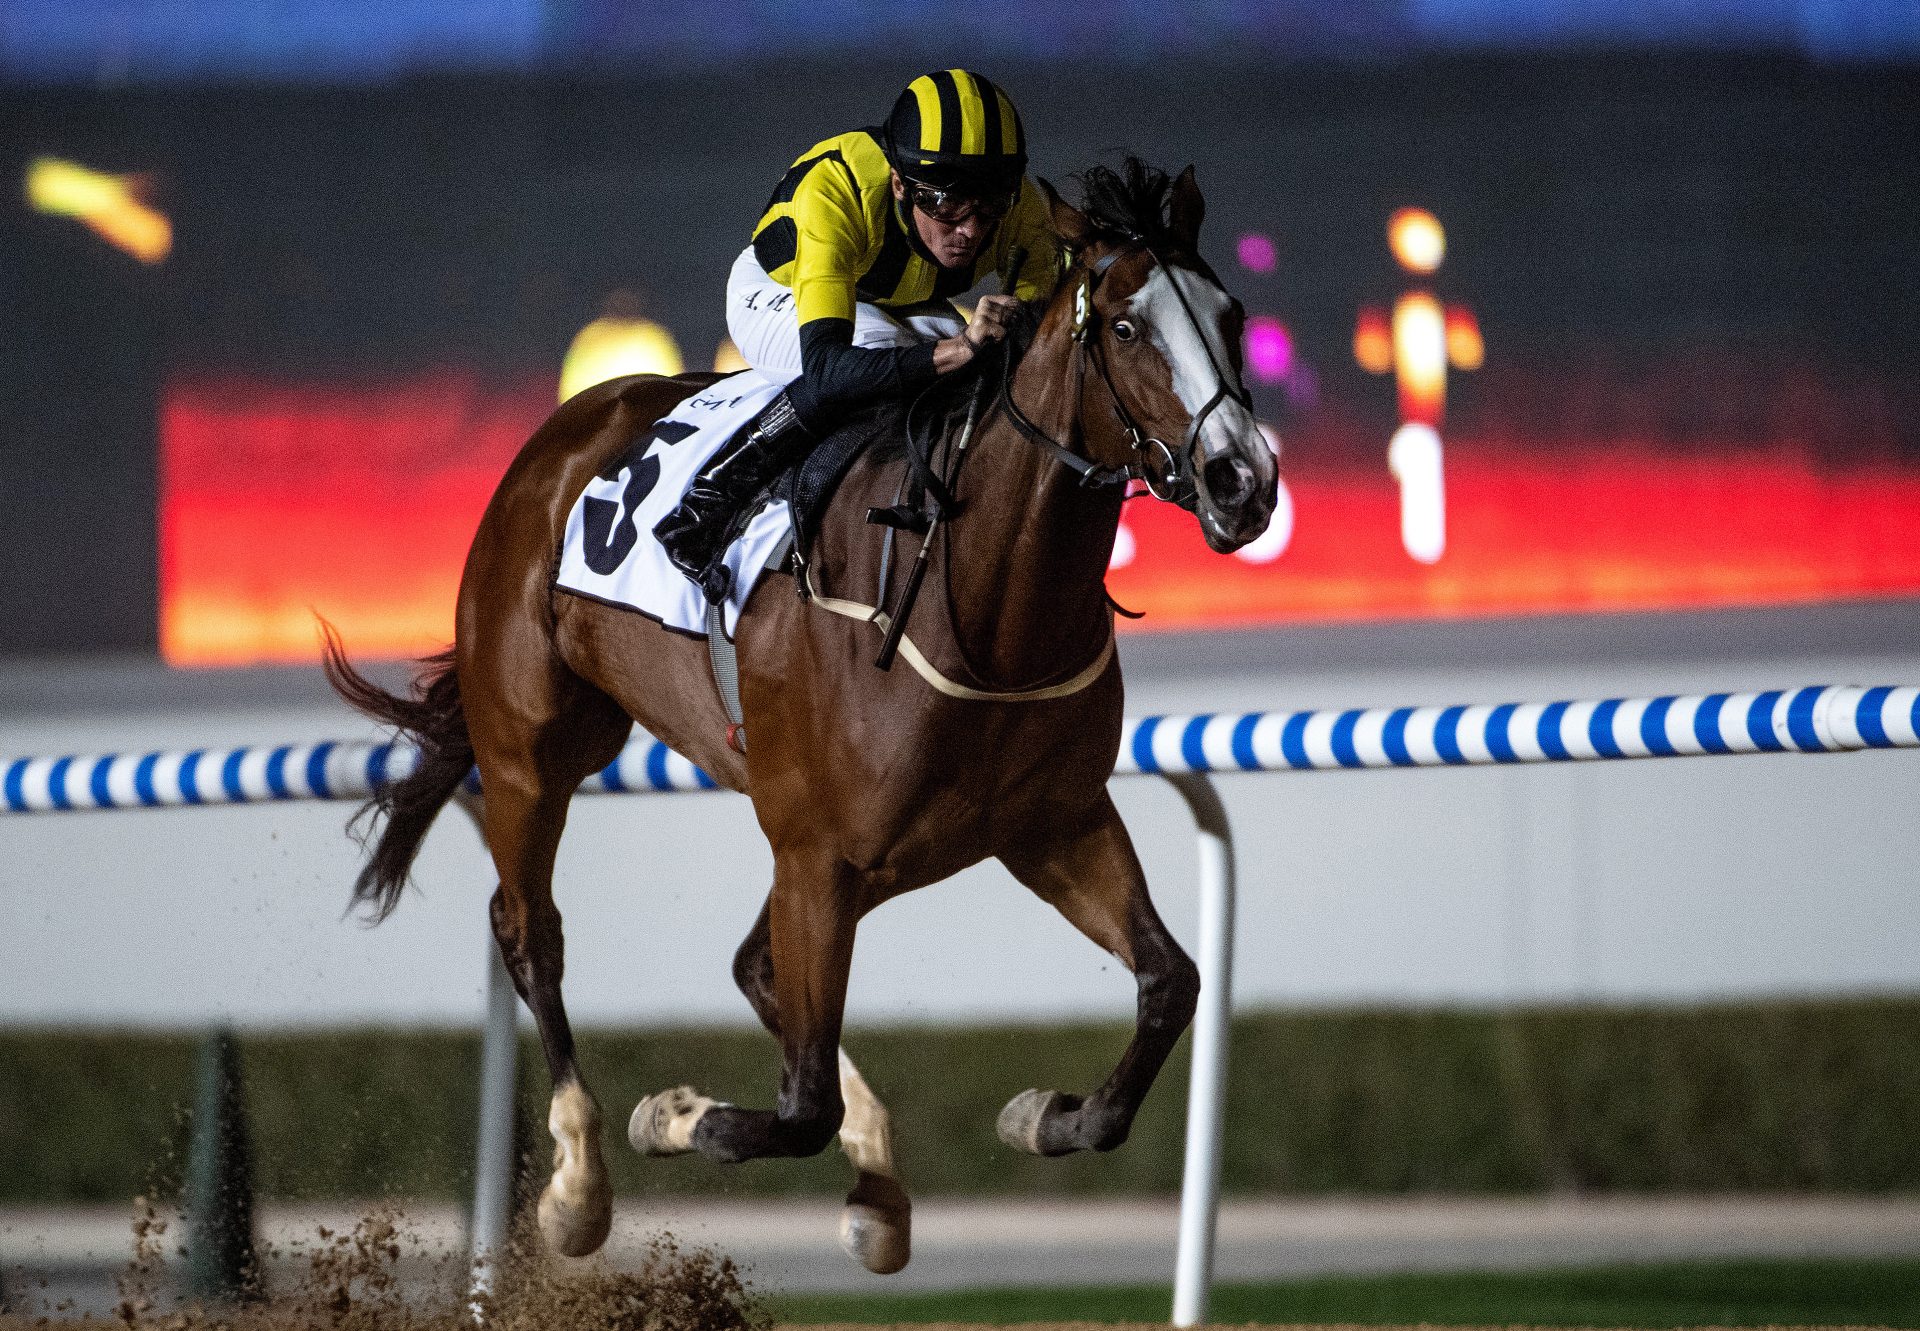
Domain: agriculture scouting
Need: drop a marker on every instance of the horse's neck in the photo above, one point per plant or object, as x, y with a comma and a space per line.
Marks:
1028, 557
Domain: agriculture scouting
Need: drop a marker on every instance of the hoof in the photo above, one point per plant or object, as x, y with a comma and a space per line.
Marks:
576, 1207
1022, 1120
575, 1226
876, 1228
663, 1123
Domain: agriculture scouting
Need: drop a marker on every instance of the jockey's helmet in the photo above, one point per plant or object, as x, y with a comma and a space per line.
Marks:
953, 130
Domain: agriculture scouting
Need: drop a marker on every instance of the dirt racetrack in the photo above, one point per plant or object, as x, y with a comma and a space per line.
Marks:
269, 1322
379, 1276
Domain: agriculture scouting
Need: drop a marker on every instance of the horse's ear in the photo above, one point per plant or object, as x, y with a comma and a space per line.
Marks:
1071, 224
1186, 209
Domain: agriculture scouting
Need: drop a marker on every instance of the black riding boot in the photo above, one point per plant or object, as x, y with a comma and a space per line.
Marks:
694, 535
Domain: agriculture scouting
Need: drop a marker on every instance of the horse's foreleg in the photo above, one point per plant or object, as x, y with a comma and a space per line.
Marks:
811, 916
1094, 879
523, 831
876, 1226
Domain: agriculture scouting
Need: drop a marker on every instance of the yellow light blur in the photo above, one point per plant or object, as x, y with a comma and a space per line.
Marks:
727, 358
1465, 349
1420, 357
611, 347
1373, 341
1416, 239
109, 205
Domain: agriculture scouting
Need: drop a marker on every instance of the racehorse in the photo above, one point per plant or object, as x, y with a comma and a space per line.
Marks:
997, 743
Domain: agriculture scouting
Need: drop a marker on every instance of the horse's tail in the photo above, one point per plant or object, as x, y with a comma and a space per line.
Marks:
402, 811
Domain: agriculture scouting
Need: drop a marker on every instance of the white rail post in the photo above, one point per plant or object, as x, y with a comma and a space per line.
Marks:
493, 1162
1207, 1085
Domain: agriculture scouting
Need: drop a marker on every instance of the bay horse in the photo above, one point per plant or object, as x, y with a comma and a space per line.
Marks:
997, 743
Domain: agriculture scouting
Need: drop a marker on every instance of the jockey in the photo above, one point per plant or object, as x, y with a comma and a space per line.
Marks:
846, 289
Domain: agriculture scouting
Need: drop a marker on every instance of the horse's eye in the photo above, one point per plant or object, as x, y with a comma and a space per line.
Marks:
1124, 330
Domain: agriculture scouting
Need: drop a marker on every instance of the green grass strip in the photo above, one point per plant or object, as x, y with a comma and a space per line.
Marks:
1803, 1096
1720, 1293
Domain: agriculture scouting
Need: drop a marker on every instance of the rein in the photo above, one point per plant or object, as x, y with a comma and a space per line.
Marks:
1167, 475
1172, 480
938, 485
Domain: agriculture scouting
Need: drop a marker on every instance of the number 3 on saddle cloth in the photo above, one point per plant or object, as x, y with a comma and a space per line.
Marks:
609, 553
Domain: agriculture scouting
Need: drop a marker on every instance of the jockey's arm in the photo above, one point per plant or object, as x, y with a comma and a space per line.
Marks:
835, 374
829, 247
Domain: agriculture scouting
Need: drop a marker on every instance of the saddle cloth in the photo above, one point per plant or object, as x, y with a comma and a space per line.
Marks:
609, 553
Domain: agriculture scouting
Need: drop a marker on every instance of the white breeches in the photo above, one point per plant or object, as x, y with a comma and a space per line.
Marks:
762, 323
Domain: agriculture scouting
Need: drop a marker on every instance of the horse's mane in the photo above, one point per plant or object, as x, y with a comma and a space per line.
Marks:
1129, 205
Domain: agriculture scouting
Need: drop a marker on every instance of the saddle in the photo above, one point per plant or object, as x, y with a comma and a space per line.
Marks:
808, 487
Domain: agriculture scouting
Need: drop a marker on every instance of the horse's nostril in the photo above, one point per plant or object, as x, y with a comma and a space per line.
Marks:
1230, 481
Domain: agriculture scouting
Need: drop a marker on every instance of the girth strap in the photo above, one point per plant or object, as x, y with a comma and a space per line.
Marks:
726, 675
724, 657
953, 688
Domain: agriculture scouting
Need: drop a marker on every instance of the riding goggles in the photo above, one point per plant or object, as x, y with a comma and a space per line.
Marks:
950, 207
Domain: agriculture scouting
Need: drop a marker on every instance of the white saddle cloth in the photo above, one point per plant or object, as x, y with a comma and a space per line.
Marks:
610, 553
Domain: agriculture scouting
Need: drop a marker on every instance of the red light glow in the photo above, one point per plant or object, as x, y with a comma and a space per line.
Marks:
1589, 528
358, 501
355, 502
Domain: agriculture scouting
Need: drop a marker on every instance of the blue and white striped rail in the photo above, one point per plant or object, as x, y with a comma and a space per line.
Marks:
1816, 719
334, 770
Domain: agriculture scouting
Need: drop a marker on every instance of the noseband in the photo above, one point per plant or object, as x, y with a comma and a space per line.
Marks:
1167, 475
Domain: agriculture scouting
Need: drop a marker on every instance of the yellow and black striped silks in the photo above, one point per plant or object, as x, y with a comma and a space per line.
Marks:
952, 117
832, 233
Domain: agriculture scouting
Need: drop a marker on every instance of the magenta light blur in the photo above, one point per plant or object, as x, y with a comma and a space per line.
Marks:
1269, 349
1256, 253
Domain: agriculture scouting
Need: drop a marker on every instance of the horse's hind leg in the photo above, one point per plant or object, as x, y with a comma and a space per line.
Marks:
527, 787
876, 1226
1094, 879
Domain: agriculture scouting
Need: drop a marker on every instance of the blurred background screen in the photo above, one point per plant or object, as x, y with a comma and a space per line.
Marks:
1554, 308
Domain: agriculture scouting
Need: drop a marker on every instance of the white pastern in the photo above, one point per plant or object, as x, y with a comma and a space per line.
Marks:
663, 1123
876, 1228
576, 1209
866, 1133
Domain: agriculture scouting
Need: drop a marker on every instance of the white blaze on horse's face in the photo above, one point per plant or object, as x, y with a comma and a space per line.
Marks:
1236, 472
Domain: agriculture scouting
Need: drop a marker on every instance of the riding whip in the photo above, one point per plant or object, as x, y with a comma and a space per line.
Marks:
1016, 260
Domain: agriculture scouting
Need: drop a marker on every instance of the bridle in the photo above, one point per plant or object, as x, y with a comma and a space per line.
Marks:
1164, 473
1167, 475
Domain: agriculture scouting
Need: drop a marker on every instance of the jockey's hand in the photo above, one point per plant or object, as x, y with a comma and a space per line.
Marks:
992, 317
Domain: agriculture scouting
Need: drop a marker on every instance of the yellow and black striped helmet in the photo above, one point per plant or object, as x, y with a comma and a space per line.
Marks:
955, 129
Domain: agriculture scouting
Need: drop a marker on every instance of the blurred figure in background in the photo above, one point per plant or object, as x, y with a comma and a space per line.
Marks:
619, 342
